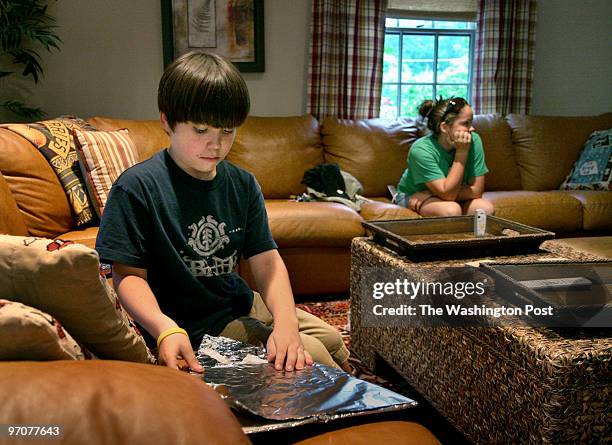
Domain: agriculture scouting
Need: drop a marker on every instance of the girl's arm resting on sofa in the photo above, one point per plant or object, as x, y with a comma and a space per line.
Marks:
284, 344
139, 301
473, 190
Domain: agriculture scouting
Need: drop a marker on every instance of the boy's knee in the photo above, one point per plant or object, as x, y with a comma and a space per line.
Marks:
331, 339
317, 350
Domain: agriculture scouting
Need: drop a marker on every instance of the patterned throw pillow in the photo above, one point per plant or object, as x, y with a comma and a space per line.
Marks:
31, 334
104, 156
62, 278
593, 169
54, 140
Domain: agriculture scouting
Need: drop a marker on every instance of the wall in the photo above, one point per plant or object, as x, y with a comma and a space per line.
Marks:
573, 58
111, 59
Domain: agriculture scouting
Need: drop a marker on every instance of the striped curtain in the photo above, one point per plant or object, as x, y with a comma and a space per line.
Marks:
346, 55
505, 49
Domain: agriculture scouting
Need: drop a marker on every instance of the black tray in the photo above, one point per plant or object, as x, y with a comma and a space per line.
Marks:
433, 239
582, 306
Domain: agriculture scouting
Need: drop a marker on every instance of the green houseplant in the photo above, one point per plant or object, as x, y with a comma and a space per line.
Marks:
25, 29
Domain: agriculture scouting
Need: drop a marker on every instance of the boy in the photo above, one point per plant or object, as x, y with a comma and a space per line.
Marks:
175, 226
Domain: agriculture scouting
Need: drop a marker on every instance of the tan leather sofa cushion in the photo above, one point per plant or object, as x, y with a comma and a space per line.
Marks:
389, 432
597, 209
35, 187
86, 236
11, 219
373, 150
313, 270
381, 208
547, 146
278, 150
499, 153
148, 135
312, 224
113, 402
556, 211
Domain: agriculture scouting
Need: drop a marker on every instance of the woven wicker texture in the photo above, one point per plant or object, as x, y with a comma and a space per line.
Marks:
496, 385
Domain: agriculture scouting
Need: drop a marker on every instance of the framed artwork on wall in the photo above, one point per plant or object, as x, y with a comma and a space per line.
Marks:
231, 28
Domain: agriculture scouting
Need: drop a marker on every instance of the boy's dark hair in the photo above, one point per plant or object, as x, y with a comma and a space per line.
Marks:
203, 88
442, 110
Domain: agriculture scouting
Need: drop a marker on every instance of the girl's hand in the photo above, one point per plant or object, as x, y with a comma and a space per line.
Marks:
417, 199
462, 140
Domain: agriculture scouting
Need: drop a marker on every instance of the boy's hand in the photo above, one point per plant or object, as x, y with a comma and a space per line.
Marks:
285, 346
462, 140
176, 347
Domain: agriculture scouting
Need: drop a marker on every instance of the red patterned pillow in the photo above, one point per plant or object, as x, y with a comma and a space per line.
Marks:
104, 156
31, 334
63, 279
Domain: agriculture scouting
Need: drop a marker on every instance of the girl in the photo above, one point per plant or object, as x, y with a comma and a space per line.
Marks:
445, 174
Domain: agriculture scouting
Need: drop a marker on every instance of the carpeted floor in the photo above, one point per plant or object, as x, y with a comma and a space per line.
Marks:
336, 313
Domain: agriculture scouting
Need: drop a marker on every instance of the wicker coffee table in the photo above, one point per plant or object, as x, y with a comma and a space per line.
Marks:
496, 384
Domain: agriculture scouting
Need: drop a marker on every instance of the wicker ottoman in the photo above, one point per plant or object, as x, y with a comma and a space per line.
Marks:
496, 385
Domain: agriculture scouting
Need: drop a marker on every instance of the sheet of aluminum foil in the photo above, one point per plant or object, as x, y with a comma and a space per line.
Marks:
318, 393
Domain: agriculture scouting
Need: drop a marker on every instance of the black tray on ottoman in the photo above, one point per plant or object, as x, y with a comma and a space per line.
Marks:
580, 293
426, 239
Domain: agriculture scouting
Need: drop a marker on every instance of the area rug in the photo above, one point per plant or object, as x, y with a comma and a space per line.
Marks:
336, 313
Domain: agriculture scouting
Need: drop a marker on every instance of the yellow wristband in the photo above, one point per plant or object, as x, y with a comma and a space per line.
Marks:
168, 332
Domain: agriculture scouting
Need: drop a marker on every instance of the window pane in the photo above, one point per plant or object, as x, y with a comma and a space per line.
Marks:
453, 59
412, 96
391, 58
409, 23
388, 102
447, 91
450, 25
417, 58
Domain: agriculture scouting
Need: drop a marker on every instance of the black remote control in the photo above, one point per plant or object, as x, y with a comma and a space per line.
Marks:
566, 283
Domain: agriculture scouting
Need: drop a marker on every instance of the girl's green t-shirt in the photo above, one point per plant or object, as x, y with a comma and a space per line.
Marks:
428, 161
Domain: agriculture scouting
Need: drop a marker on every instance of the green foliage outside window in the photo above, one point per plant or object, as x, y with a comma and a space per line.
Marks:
423, 64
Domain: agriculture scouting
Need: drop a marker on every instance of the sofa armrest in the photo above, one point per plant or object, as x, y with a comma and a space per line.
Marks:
11, 221
101, 402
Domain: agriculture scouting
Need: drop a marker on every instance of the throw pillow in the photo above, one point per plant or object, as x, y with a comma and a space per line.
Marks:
104, 156
593, 169
54, 140
62, 278
31, 334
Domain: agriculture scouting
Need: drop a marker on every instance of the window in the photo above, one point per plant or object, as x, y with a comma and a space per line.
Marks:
424, 59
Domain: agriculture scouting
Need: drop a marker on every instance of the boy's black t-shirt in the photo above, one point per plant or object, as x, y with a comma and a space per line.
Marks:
189, 235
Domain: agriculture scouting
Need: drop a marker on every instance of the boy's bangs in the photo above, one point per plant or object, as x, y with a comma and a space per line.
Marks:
224, 104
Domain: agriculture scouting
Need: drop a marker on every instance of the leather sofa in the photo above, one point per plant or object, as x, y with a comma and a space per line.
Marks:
528, 158
123, 403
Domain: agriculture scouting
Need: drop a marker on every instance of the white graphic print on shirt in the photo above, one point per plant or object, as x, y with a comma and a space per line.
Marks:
205, 238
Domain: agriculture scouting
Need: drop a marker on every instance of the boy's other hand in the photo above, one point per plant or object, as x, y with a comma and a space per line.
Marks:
285, 347
176, 347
